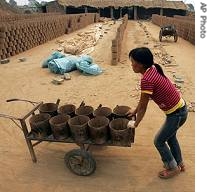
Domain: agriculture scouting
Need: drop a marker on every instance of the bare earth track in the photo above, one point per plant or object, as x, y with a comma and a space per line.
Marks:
119, 169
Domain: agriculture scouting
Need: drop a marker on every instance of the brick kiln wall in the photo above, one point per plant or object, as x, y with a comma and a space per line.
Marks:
20, 34
185, 25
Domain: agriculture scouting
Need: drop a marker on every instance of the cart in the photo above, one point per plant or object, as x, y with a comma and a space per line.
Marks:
79, 161
168, 31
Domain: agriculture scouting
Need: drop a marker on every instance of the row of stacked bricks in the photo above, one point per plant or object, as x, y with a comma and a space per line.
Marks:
117, 42
24, 35
185, 27
19, 36
78, 21
16, 17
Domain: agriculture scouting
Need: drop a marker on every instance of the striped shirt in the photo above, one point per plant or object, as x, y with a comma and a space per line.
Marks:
161, 90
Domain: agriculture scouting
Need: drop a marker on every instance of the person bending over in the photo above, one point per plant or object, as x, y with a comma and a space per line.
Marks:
156, 86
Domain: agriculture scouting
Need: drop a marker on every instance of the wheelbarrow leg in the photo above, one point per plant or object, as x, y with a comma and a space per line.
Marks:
83, 147
28, 141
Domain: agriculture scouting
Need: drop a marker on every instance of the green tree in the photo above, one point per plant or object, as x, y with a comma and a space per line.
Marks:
13, 3
34, 3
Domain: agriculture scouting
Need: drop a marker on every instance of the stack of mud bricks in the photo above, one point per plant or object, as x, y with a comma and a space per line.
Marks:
16, 17
117, 42
24, 34
79, 21
185, 25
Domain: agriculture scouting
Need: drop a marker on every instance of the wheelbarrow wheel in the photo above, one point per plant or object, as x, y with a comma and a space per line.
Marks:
175, 37
80, 162
160, 35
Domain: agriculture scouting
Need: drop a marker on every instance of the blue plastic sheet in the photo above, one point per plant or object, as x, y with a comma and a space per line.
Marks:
54, 55
87, 58
60, 64
63, 65
89, 68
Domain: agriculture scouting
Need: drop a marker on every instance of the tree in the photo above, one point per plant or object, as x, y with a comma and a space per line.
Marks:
13, 3
34, 3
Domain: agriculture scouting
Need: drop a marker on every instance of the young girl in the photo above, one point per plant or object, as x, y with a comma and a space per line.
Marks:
155, 85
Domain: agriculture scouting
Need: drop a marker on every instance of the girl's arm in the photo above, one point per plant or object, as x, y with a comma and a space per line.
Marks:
141, 108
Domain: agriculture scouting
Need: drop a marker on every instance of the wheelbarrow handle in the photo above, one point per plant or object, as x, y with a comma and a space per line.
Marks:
9, 100
14, 99
9, 117
58, 101
100, 105
82, 103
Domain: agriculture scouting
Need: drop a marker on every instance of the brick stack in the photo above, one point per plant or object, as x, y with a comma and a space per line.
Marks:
189, 18
78, 21
2, 39
16, 17
185, 26
117, 42
19, 36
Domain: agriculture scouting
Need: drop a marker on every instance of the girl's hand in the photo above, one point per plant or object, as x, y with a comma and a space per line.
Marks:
131, 124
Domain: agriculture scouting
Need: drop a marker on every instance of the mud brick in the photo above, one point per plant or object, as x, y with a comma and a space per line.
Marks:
114, 55
12, 53
114, 62
12, 33
115, 59
3, 57
17, 51
4, 51
11, 43
19, 41
7, 33
114, 49
6, 44
18, 46
2, 28
13, 48
114, 42
14, 43
2, 40
17, 32
7, 55
2, 35
9, 49
7, 39
16, 37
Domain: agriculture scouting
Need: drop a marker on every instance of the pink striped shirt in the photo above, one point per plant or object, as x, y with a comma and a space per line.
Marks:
161, 89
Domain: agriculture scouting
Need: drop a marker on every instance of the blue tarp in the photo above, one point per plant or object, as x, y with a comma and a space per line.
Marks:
63, 65
60, 64
55, 55
89, 68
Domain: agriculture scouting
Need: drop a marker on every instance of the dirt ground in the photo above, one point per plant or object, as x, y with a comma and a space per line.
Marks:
119, 169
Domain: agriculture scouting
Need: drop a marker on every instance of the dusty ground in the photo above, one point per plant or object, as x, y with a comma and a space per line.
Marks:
118, 168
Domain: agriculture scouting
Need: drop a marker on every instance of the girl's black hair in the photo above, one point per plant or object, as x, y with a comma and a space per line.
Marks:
144, 56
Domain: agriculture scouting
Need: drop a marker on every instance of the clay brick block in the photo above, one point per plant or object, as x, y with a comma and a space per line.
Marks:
114, 61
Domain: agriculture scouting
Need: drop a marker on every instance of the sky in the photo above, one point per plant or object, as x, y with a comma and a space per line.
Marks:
25, 2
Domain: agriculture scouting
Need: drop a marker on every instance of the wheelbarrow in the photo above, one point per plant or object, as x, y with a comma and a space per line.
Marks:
168, 31
79, 161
